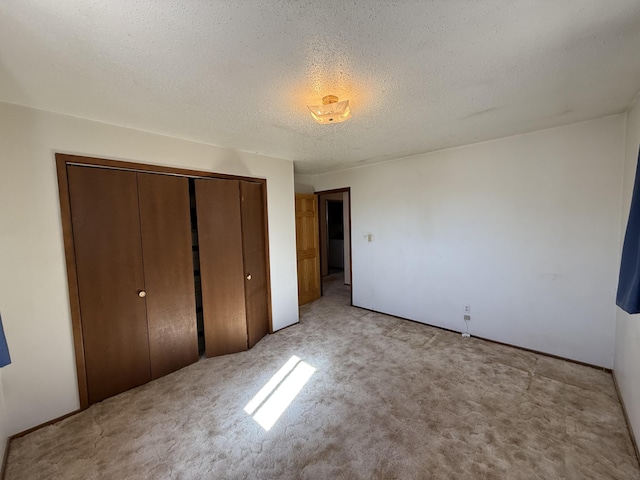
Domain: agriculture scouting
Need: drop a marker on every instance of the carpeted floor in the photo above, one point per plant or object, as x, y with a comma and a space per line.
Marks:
388, 399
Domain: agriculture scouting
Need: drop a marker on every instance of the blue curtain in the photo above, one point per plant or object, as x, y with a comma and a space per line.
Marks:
5, 359
628, 297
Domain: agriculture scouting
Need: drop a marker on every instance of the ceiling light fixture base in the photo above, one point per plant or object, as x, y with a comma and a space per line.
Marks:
331, 110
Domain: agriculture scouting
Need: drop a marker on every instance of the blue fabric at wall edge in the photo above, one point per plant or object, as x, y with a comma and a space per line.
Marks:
628, 297
5, 358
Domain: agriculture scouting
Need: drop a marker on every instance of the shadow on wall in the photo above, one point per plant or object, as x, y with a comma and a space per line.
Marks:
10, 88
303, 183
232, 164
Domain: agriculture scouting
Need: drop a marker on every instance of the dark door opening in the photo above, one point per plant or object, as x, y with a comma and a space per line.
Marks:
335, 238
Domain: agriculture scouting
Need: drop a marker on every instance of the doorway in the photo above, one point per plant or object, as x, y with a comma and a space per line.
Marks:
335, 240
335, 237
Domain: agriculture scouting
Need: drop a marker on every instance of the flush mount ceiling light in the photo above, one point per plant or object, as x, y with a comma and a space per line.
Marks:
331, 111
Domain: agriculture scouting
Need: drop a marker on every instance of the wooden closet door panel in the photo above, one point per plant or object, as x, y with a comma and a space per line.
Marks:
106, 234
165, 221
221, 266
255, 260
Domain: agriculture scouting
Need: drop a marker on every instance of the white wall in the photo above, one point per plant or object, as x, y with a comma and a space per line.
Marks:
525, 229
41, 382
627, 356
303, 183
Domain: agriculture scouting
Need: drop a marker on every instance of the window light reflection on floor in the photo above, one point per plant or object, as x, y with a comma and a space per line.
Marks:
274, 398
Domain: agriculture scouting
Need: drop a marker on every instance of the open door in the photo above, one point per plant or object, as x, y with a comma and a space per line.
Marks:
334, 211
335, 235
308, 251
255, 260
221, 266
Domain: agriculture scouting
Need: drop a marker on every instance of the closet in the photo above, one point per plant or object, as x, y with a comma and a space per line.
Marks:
230, 240
151, 254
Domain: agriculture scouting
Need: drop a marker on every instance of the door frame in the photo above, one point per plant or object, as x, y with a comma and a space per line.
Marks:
62, 161
318, 195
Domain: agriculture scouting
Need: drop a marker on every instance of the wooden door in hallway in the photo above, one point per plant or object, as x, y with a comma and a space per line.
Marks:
308, 252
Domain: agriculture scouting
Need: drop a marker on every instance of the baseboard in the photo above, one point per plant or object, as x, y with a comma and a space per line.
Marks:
42, 425
288, 326
551, 355
626, 417
4, 459
590, 365
26, 432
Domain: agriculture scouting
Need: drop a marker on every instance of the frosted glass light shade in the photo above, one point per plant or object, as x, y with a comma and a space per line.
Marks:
331, 111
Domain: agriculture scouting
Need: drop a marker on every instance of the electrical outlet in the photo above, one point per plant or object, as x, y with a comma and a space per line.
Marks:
467, 309
467, 317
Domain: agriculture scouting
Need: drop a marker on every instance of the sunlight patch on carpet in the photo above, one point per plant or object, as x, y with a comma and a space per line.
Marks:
278, 393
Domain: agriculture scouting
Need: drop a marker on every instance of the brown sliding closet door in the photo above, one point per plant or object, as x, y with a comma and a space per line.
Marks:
131, 250
108, 255
168, 271
255, 262
221, 266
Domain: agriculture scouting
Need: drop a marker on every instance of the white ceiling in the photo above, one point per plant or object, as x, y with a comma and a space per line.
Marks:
420, 75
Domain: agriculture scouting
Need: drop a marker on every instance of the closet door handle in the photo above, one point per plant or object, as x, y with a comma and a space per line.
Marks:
249, 277
142, 294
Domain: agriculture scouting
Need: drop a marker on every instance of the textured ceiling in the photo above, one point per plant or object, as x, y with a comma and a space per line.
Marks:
420, 75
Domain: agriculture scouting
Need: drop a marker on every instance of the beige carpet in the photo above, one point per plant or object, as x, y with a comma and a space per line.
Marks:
388, 399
